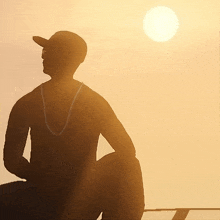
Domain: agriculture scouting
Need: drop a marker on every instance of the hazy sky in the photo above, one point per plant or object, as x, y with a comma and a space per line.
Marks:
165, 94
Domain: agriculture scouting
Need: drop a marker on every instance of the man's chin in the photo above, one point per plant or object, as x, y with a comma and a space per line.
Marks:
47, 71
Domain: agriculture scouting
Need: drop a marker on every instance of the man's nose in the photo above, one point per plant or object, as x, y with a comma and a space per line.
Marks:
43, 54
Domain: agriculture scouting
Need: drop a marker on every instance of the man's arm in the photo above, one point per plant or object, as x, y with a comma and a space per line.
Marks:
114, 132
15, 140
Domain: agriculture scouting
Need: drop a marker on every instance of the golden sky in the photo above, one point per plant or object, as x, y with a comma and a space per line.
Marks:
165, 94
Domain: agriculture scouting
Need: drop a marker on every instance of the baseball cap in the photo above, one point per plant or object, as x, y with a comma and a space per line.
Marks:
65, 42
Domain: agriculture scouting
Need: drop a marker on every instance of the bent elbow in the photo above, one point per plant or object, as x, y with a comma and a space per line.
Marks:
10, 164
7, 164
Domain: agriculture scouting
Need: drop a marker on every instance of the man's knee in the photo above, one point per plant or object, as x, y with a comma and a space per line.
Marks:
123, 178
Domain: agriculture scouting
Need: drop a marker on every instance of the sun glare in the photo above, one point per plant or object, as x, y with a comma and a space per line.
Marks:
160, 23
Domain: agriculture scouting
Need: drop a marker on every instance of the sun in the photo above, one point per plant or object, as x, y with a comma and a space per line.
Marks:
160, 23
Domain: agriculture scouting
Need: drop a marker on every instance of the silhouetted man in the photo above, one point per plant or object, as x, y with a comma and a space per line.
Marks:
65, 118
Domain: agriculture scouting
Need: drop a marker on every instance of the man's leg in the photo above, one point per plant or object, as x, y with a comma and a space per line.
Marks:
16, 200
114, 187
22, 200
120, 188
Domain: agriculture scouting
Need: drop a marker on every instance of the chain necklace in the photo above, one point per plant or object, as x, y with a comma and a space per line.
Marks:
55, 133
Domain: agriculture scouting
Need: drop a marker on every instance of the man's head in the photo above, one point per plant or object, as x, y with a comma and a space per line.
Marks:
63, 50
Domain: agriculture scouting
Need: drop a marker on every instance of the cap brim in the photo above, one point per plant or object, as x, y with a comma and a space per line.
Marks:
40, 41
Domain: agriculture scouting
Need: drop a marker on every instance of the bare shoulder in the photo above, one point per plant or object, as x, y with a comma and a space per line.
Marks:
97, 100
31, 98
99, 106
